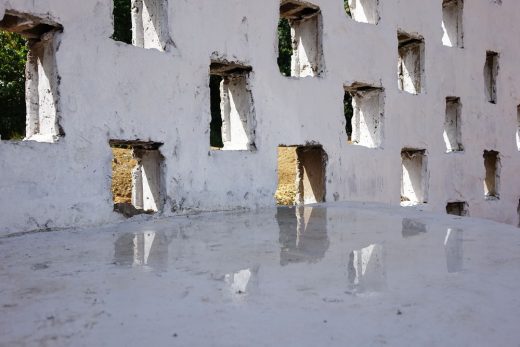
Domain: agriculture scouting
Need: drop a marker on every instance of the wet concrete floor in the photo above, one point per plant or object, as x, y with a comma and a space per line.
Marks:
333, 274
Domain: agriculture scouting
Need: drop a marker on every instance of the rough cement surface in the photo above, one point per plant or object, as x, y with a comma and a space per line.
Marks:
339, 275
110, 90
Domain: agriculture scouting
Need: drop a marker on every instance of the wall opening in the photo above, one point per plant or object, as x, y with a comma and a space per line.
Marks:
518, 127
301, 175
518, 210
452, 125
490, 76
457, 208
142, 23
492, 179
305, 23
40, 94
233, 120
137, 177
363, 11
365, 116
411, 63
453, 34
414, 178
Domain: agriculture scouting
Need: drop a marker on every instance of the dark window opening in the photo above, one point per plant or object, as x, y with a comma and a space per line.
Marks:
300, 51
142, 23
233, 123
29, 89
137, 177
363, 106
457, 208
122, 21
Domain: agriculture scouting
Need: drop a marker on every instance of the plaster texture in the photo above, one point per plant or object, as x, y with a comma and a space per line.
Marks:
336, 274
110, 90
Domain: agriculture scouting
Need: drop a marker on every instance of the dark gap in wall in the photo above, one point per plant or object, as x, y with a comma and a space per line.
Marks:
348, 111
233, 123
300, 51
122, 21
28, 92
216, 115
457, 208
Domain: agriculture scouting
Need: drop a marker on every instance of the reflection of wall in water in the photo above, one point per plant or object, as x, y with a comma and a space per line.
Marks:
142, 249
412, 227
366, 269
243, 281
453, 245
303, 234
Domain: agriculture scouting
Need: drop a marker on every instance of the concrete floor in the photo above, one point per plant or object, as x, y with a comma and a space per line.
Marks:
337, 274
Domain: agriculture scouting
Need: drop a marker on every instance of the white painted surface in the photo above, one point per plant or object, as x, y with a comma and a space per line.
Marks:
113, 90
259, 279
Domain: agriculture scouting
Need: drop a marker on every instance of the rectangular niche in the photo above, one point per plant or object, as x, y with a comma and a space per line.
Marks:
363, 11
411, 63
490, 76
142, 23
518, 127
414, 178
301, 175
457, 208
365, 115
305, 22
233, 122
41, 75
452, 125
137, 177
492, 179
453, 34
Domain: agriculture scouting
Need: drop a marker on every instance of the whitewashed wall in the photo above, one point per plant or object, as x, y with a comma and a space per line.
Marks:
110, 90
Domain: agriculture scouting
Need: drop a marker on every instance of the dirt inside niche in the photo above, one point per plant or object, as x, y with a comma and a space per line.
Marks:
287, 170
122, 166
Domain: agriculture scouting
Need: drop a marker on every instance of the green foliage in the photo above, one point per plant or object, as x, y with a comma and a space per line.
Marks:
122, 21
347, 7
284, 47
13, 55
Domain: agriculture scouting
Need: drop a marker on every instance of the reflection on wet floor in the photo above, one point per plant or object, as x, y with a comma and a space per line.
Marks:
366, 269
413, 227
453, 245
241, 282
303, 234
148, 248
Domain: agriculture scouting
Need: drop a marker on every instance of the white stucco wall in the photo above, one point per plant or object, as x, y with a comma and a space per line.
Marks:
110, 90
